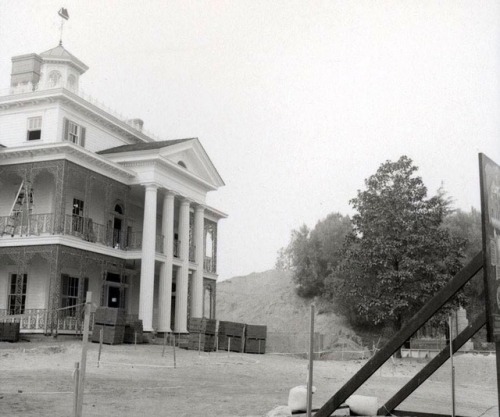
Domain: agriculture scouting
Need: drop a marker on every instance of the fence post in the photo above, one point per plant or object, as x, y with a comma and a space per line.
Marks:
164, 343
85, 341
311, 361
175, 359
76, 377
101, 339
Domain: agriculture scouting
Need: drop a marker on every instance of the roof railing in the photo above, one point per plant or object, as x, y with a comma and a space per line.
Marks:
27, 88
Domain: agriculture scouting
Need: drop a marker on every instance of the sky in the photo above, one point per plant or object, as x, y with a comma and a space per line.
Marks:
295, 102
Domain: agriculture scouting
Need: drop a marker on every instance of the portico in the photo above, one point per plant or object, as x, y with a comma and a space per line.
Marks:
174, 210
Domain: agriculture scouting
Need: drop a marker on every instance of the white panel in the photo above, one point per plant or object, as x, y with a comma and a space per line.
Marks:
97, 137
14, 125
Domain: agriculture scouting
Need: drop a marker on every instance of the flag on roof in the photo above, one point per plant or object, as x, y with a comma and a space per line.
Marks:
63, 13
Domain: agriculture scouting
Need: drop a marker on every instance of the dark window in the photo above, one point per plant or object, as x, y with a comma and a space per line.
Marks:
34, 128
73, 292
17, 293
78, 218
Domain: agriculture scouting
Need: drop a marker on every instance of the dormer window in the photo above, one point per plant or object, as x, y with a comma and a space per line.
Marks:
74, 133
34, 128
182, 164
54, 78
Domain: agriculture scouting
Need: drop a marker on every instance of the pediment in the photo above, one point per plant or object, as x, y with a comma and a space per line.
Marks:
191, 156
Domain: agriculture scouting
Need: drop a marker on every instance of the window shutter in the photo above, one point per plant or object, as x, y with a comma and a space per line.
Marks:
82, 138
66, 128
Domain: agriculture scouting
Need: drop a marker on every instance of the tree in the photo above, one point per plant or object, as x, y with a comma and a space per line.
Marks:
467, 226
398, 254
313, 255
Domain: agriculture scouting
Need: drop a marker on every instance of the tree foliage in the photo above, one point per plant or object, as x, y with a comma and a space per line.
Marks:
398, 254
312, 255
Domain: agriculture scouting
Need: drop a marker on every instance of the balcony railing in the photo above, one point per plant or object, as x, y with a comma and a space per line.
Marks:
42, 320
209, 265
77, 226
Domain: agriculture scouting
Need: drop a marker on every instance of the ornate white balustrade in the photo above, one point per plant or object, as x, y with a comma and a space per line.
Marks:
45, 321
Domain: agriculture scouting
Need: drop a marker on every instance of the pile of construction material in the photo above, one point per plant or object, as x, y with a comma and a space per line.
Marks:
231, 336
133, 332
255, 339
9, 332
112, 323
201, 334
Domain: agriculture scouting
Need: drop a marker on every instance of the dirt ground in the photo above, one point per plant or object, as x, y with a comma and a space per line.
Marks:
36, 380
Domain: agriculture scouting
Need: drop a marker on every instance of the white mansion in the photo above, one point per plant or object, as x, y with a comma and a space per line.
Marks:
91, 202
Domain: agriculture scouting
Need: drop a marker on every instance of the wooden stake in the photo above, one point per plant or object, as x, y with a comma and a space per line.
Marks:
199, 344
135, 339
311, 360
228, 345
164, 344
85, 341
76, 377
452, 372
101, 339
175, 360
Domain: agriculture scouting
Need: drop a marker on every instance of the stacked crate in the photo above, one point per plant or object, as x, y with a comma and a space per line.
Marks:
133, 332
9, 332
201, 334
235, 332
112, 322
255, 339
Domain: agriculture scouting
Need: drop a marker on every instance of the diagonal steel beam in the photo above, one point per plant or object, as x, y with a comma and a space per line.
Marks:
417, 321
432, 366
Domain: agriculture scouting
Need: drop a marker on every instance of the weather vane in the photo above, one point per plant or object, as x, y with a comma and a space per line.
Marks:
64, 16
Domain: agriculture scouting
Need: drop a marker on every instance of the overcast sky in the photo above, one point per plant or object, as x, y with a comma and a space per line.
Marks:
296, 102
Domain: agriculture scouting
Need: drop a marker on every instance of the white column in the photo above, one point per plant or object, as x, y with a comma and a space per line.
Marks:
181, 299
197, 295
148, 258
165, 290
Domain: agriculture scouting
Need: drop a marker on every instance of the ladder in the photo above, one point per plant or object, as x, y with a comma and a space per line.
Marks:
16, 211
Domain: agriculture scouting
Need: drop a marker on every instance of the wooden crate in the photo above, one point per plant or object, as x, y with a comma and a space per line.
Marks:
112, 335
202, 325
204, 342
236, 343
230, 328
254, 331
9, 332
110, 316
255, 346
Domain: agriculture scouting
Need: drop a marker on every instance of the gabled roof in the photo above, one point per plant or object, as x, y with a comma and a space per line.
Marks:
143, 146
59, 53
172, 152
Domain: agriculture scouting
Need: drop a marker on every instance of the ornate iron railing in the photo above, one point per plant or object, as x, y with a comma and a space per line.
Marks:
209, 265
81, 227
192, 253
45, 321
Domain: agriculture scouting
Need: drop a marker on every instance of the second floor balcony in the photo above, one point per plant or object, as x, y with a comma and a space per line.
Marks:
83, 228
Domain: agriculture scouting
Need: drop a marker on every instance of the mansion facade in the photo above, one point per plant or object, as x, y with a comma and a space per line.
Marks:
91, 202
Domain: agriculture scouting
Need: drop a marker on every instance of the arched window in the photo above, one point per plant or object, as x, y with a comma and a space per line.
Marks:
54, 78
118, 209
71, 84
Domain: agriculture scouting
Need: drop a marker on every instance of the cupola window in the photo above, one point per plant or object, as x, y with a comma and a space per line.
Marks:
54, 78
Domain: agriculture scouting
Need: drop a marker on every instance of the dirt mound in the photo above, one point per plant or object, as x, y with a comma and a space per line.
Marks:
269, 298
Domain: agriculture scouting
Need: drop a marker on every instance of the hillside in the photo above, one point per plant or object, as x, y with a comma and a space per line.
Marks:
269, 298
